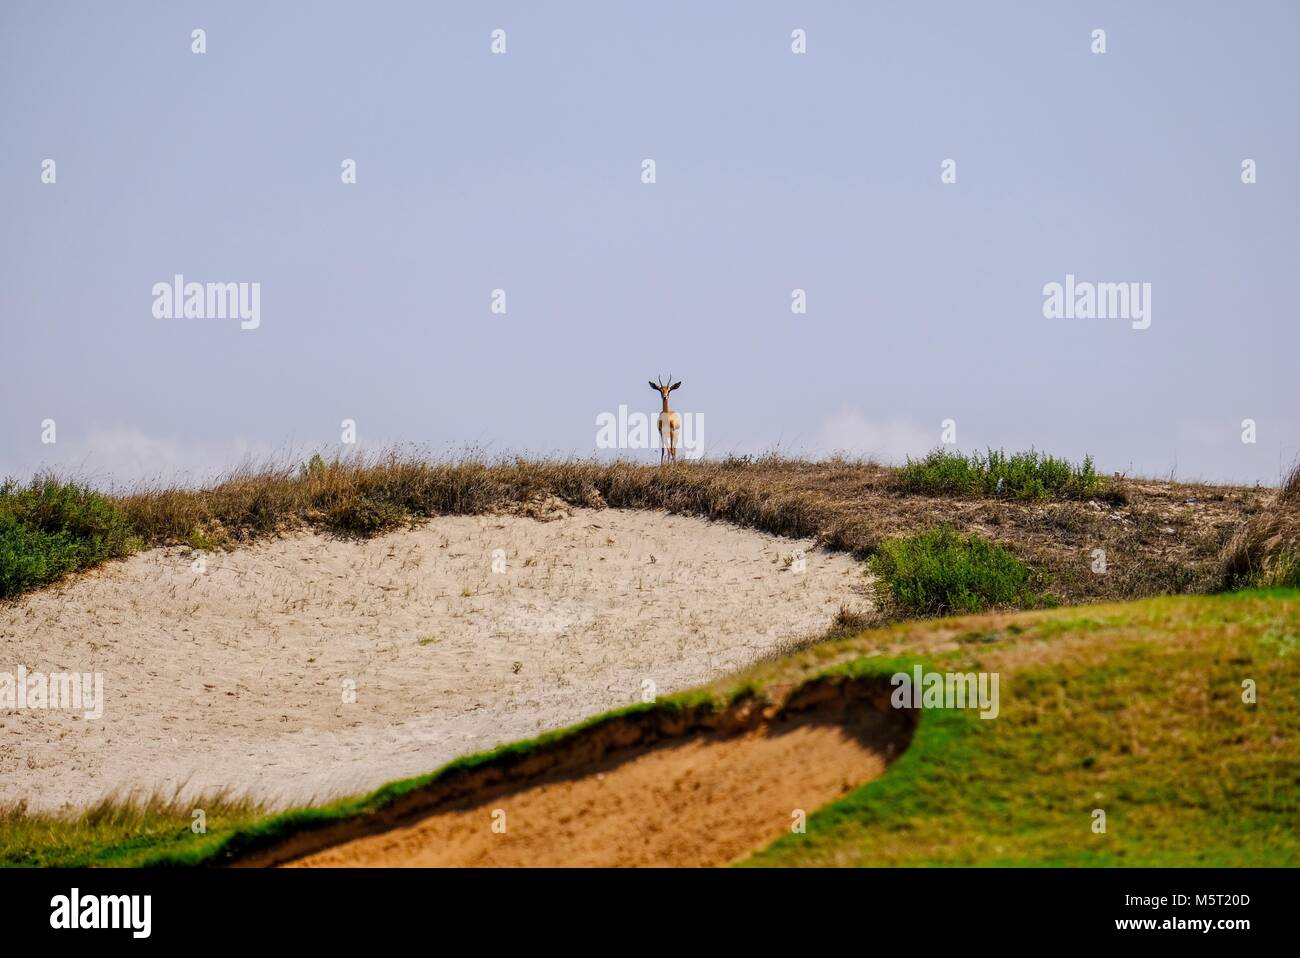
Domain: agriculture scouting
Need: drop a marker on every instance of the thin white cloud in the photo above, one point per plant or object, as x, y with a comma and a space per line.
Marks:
117, 458
850, 432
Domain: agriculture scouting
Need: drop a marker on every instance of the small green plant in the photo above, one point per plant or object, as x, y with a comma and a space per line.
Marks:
313, 468
1021, 475
941, 572
202, 540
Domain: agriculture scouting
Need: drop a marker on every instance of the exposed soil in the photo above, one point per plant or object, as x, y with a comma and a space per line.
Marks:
705, 789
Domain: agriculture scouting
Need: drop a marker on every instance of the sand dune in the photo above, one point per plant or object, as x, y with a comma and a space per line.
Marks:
236, 675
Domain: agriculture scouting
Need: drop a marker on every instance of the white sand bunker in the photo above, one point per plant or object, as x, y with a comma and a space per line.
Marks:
457, 636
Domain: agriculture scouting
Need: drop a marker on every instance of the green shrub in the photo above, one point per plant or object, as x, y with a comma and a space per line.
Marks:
49, 528
941, 572
362, 518
1023, 475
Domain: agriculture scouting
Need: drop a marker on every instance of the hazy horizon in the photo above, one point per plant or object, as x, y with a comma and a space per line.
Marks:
522, 171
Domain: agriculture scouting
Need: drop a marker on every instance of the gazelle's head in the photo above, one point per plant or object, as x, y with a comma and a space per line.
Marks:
664, 387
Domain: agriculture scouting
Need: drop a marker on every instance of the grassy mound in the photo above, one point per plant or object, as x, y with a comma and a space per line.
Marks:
1169, 537
1021, 475
1137, 710
942, 572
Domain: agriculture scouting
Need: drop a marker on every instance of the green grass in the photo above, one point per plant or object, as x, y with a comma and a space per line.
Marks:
50, 528
942, 572
1021, 475
1140, 715
116, 832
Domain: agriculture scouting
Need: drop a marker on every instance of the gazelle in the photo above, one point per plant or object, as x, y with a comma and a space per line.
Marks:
670, 423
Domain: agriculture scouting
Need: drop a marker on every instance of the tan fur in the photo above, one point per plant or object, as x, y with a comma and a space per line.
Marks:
670, 427
670, 423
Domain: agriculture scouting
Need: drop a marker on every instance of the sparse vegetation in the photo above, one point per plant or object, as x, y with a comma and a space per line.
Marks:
848, 622
942, 572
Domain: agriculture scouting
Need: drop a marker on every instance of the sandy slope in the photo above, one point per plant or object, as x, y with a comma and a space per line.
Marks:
235, 676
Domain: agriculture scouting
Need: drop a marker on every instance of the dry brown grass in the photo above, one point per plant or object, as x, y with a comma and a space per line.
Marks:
1266, 550
1159, 537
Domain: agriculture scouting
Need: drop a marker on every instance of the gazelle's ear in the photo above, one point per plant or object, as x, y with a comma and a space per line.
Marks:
675, 385
653, 386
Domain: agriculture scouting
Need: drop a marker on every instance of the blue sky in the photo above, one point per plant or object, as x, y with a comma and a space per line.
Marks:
522, 172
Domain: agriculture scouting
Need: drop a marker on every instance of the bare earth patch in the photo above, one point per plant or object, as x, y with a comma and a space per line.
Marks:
234, 677
704, 801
